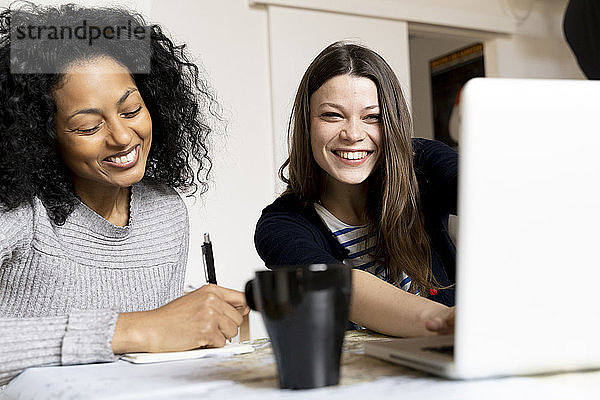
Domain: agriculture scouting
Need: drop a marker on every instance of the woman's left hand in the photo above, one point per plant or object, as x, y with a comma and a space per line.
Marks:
442, 322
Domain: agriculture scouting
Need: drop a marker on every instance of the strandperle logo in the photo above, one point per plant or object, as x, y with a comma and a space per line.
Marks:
31, 43
81, 32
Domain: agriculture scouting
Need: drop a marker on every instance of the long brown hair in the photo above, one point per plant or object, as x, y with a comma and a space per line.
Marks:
394, 211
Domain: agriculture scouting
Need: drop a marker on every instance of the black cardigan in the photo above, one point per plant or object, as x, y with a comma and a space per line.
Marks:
289, 233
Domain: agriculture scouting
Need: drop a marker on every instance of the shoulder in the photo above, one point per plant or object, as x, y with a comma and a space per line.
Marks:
16, 226
430, 151
20, 213
434, 161
286, 203
436, 169
159, 201
285, 212
290, 232
149, 189
157, 194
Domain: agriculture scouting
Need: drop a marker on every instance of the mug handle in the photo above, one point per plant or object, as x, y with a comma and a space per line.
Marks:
249, 292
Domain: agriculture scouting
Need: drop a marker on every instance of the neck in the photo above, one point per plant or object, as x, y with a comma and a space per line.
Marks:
110, 202
347, 202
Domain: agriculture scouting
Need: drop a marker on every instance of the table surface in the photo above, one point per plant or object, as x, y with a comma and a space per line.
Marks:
254, 376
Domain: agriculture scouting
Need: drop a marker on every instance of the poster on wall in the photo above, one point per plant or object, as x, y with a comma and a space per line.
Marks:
448, 75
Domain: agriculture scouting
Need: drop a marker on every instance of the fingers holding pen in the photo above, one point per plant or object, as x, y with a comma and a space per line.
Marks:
231, 302
228, 327
219, 308
235, 298
225, 309
205, 317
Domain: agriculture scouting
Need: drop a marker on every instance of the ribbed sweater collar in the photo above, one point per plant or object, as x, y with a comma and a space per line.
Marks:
97, 224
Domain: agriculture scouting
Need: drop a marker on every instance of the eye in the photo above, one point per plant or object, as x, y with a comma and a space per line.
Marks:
373, 118
88, 130
331, 115
132, 113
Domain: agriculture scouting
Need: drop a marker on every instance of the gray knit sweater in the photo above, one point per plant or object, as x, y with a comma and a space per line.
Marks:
62, 287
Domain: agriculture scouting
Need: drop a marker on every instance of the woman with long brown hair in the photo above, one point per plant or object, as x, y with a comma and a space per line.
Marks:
362, 191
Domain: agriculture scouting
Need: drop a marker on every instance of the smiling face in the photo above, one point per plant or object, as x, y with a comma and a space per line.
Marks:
345, 128
103, 128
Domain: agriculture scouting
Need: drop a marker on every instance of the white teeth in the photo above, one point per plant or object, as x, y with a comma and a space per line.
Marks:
123, 159
352, 155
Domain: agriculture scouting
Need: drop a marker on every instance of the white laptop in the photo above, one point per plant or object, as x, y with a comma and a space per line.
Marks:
528, 251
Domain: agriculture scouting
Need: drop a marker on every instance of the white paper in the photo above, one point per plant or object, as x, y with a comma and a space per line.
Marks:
145, 358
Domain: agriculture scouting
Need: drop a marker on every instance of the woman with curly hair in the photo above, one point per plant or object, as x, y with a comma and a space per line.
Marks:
95, 136
361, 191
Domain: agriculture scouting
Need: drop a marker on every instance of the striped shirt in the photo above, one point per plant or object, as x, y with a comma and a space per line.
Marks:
360, 246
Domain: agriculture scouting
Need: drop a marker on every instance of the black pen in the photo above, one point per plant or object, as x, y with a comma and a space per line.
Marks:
209, 260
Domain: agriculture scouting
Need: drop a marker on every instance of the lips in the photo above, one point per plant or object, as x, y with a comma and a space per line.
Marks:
352, 154
124, 159
353, 158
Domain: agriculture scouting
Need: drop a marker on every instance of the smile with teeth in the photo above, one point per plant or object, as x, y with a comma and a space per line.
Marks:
352, 155
124, 159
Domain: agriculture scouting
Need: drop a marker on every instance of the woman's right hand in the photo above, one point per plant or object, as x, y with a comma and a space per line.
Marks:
206, 317
442, 322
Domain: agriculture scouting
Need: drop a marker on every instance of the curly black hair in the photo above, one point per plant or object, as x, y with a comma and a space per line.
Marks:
179, 101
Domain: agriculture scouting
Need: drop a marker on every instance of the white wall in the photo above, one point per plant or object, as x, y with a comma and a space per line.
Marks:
537, 49
297, 36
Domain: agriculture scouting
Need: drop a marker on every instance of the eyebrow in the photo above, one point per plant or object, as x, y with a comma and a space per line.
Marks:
99, 111
125, 95
340, 107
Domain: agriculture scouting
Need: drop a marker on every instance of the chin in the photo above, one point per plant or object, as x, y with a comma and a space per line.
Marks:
129, 180
351, 180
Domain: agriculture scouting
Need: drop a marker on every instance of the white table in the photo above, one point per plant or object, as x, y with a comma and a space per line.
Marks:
253, 376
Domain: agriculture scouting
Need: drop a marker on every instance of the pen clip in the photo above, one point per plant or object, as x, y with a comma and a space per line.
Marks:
205, 269
204, 261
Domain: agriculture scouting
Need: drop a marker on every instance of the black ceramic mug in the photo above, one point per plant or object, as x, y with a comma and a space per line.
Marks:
305, 310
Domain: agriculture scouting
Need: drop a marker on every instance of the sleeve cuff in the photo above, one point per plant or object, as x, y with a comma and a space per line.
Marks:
88, 338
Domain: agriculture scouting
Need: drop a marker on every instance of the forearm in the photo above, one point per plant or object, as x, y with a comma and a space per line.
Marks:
29, 342
384, 308
82, 337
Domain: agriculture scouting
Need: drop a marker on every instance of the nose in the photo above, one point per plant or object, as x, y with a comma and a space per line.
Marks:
352, 131
120, 134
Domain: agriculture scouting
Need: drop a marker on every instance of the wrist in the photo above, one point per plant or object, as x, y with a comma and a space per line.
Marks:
131, 334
